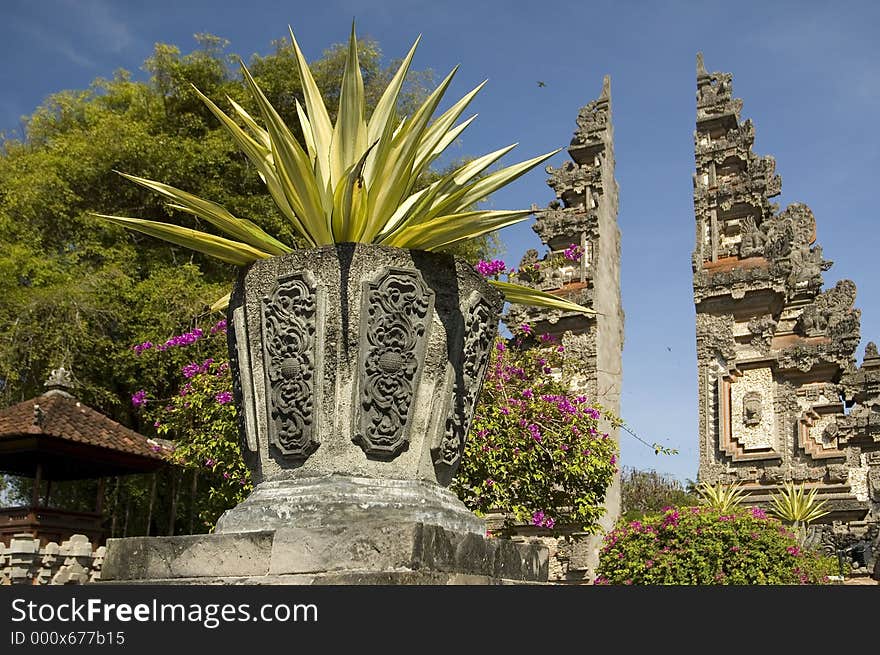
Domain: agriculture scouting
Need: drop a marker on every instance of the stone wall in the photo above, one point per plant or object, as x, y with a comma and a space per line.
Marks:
583, 213
74, 561
780, 395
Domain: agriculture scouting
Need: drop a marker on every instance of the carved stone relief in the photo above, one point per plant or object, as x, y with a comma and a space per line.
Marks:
748, 394
762, 328
752, 409
395, 318
752, 241
478, 339
290, 355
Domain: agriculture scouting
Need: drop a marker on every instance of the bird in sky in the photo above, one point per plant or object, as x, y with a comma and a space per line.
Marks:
540, 84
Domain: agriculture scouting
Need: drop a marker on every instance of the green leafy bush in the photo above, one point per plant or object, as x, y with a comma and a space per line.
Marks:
705, 546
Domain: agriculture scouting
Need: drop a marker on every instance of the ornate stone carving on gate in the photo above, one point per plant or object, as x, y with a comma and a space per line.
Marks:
291, 316
752, 409
747, 422
818, 432
396, 313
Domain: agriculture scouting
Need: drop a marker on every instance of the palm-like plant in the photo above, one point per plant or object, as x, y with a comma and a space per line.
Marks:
794, 505
354, 181
724, 498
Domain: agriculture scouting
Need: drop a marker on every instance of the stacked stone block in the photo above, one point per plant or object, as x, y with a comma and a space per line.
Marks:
25, 562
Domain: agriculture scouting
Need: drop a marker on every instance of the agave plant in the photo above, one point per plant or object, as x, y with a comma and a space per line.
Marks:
795, 506
724, 498
354, 181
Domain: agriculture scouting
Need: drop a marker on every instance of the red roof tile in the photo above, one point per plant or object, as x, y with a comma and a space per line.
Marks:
63, 416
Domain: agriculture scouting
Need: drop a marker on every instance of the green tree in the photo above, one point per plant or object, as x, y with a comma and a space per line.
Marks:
648, 492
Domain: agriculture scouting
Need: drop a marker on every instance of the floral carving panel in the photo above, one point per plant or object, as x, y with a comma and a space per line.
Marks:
395, 319
291, 354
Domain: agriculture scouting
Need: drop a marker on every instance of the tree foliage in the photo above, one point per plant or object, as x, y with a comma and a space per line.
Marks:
645, 492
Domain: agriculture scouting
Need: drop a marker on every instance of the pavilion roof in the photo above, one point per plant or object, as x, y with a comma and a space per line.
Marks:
71, 440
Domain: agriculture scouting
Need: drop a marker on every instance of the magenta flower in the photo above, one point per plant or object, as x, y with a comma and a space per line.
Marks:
191, 370
670, 519
141, 347
758, 513
139, 398
489, 269
223, 397
573, 253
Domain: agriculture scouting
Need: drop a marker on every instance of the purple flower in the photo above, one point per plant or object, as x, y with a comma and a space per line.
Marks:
191, 370
141, 347
535, 431
489, 269
573, 253
223, 397
219, 326
670, 520
758, 513
542, 520
525, 327
138, 398
210, 462
793, 550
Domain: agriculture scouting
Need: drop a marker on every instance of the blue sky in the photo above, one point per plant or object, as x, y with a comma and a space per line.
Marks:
808, 72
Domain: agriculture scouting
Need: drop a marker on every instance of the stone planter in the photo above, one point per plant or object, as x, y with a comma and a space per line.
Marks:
357, 369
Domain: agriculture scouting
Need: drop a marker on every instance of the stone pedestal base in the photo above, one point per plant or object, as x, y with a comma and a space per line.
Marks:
364, 553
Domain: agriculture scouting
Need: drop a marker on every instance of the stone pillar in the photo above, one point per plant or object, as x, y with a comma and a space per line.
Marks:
585, 214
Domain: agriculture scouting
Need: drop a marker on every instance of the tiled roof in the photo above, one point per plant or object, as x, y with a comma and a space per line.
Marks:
62, 416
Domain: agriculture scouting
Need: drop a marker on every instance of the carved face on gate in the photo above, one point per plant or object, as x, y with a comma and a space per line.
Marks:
752, 409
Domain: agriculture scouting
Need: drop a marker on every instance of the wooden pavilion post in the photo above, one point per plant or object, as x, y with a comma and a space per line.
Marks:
38, 480
99, 501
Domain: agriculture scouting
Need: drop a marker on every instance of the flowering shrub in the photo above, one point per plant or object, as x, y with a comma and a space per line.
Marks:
200, 418
529, 272
706, 546
535, 451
